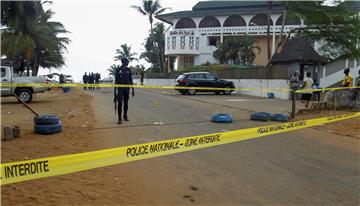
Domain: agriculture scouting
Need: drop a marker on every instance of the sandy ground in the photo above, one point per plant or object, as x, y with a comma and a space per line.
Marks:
78, 120
350, 127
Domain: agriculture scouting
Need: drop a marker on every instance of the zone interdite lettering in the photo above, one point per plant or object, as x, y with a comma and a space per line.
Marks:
26, 169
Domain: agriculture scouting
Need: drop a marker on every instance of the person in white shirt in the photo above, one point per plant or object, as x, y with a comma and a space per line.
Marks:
307, 89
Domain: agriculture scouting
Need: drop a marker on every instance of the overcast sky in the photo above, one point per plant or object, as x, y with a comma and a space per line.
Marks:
98, 28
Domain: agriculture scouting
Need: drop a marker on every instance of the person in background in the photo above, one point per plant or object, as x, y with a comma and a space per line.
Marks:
307, 87
91, 80
142, 77
348, 80
85, 79
62, 79
97, 79
358, 83
316, 85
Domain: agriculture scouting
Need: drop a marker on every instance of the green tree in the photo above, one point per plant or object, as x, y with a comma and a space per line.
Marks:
112, 70
237, 50
30, 38
335, 28
125, 52
50, 45
155, 54
17, 40
151, 8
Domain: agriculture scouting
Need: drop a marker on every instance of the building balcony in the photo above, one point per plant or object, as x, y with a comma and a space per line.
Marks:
251, 30
182, 42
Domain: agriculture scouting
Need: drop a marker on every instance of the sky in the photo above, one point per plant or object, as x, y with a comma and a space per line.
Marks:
98, 28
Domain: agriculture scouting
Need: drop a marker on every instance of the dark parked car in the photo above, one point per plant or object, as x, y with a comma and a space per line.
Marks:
202, 79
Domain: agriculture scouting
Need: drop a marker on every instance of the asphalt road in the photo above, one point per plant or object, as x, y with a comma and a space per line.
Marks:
305, 167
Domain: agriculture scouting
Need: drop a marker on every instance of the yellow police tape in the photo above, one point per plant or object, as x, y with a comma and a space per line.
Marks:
170, 87
51, 166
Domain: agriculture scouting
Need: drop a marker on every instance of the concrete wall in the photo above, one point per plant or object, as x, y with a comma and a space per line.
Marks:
240, 83
262, 84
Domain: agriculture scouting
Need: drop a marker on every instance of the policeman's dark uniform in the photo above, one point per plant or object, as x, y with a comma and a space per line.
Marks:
123, 76
85, 79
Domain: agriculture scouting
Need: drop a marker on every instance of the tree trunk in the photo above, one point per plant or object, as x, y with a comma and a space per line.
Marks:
35, 64
282, 26
268, 29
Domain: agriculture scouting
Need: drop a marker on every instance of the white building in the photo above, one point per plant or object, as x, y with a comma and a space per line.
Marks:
194, 34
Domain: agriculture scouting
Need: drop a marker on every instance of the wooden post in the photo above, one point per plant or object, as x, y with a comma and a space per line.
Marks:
293, 103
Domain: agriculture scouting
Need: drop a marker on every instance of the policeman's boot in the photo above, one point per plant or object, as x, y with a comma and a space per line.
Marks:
126, 118
119, 119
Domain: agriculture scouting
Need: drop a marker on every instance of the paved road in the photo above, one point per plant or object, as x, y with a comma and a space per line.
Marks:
307, 167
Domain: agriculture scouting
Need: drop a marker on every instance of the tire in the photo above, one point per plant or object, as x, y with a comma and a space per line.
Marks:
221, 118
227, 92
46, 120
191, 91
182, 92
25, 95
279, 117
217, 92
48, 129
260, 116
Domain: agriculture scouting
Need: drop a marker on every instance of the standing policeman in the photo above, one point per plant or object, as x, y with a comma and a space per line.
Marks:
85, 79
123, 76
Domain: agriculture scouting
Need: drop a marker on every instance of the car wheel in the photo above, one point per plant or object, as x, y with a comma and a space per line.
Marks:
228, 91
191, 91
217, 92
182, 92
25, 95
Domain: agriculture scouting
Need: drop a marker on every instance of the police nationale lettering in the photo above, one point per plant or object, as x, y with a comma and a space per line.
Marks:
202, 140
152, 148
339, 117
279, 127
26, 169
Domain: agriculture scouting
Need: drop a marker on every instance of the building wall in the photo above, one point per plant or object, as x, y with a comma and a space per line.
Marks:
205, 51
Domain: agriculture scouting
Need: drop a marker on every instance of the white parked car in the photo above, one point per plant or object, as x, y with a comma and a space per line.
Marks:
24, 92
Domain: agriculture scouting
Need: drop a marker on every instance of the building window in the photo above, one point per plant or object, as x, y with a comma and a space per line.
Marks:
234, 20
260, 20
191, 42
182, 42
184, 23
209, 21
168, 43
197, 43
212, 41
173, 42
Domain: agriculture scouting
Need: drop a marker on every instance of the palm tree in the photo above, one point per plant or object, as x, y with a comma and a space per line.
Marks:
17, 39
150, 8
30, 38
247, 54
125, 52
112, 70
152, 53
237, 50
49, 46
